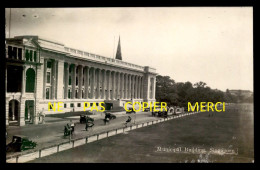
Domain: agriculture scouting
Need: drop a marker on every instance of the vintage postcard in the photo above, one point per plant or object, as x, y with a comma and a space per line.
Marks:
129, 85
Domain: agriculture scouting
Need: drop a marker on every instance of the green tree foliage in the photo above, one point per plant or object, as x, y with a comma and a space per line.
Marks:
179, 94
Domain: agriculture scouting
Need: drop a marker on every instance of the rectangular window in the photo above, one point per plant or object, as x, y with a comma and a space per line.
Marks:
47, 93
10, 50
65, 105
79, 104
48, 77
72, 105
48, 64
15, 52
27, 55
69, 80
31, 55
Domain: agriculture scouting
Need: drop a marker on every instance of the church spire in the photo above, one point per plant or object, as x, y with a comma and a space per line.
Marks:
118, 52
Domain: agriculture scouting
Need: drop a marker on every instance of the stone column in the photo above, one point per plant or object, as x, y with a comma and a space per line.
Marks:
21, 111
80, 78
92, 83
53, 83
23, 56
142, 87
103, 83
132, 87
113, 86
139, 87
23, 81
44, 79
123, 86
57, 85
154, 87
66, 82
73, 82
126, 85
129, 87
136, 87
108, 84
97, 84
118, 86
86, 82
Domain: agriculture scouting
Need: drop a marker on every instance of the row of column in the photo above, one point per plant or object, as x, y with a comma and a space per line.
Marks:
101, 83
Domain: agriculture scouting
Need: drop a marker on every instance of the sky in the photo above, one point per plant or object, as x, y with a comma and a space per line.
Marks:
209, 44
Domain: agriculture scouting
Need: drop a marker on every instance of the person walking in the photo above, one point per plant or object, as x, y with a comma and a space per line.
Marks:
72, 126
128, 120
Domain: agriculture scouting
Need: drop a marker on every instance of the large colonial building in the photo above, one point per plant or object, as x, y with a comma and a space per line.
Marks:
39, 71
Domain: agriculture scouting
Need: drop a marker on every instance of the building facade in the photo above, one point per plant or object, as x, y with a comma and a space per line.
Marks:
39, 71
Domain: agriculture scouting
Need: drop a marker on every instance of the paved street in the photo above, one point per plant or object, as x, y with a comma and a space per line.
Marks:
231, 130
52, 132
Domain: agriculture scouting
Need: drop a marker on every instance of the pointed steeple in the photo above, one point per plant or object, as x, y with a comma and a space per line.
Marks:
118, 52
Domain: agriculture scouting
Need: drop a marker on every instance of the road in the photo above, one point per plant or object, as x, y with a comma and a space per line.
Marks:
49, 134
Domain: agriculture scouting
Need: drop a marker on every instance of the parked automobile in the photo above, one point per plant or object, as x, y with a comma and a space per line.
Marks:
155, 113
20, 143
130, 110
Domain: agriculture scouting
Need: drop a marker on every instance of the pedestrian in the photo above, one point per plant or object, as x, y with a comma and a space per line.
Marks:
72, 125
128, 120
43, 116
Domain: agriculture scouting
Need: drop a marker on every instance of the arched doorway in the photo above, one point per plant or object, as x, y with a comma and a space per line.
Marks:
30, 80
13, 110
29, 110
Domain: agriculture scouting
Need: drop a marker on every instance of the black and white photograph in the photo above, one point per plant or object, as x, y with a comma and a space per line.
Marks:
129, 85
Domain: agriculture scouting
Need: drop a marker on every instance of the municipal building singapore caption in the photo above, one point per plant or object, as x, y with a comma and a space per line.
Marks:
39, 71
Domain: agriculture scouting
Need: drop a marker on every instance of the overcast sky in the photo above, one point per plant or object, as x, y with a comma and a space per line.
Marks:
209, 44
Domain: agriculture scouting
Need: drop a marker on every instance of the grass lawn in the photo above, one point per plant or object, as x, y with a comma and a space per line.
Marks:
231, 130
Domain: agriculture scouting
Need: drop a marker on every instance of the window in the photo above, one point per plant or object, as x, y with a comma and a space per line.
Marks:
70, 80
27, 55
91, 104
31, 55
48, 77
47, 93
79, 104
72, 105
35, 56
65, 105
10, 50
49, 64
77, 81
19, 53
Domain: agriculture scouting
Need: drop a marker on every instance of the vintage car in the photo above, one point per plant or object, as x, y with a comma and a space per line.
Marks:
130, 110
20, 143
85, 118
155, 112
110, 116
